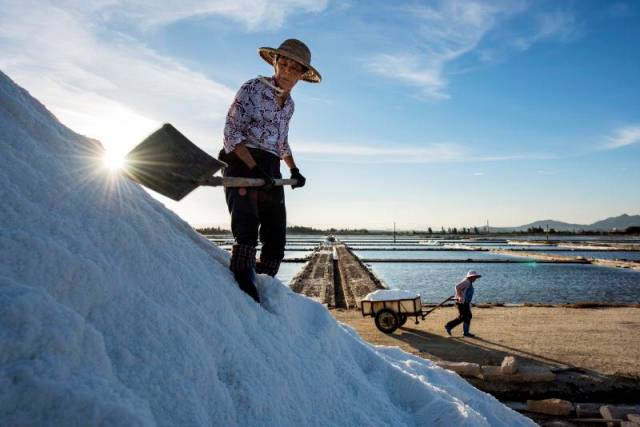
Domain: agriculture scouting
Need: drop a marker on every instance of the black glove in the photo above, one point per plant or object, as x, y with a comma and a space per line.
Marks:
295, 174
258, 172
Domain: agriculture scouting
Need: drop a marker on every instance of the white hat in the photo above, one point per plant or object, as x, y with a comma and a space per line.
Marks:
472, 273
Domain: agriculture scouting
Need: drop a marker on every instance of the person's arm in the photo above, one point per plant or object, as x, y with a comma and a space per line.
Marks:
287, 156
235, 127
244, 154
290, 162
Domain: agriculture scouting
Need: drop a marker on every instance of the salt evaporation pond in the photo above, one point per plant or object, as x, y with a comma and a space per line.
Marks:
307, 249
288, 248
439, 255
628, 255
515, 247
296, 254
288, 270
559, 250
508, 283
516, 283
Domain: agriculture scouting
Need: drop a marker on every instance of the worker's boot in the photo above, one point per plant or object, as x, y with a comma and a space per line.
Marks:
247, 282
243, 261
465, 327
268, 266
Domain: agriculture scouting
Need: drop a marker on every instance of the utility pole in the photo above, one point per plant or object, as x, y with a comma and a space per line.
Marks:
394, 232
547, 233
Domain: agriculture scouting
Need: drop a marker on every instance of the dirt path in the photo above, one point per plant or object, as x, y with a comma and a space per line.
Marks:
605, 340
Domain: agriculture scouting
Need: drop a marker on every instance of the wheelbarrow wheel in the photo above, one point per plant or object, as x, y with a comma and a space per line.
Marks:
387, 321
402, 319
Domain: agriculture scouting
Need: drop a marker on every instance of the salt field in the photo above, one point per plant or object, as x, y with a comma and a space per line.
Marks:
626, 255
516, 283
288, 270
523, 282
296, 254
438, 255
509, 283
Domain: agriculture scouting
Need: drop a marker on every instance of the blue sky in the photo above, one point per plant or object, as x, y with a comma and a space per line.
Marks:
431, 113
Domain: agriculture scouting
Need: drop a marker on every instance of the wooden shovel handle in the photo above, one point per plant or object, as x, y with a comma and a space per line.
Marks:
229, 181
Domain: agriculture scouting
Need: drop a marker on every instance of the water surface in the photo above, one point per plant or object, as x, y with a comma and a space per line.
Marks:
517, 283
440, 255
288, 270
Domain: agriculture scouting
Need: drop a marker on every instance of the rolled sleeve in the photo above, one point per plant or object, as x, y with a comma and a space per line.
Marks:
237, 119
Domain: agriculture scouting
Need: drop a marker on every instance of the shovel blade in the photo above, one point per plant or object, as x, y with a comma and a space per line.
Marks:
168, 163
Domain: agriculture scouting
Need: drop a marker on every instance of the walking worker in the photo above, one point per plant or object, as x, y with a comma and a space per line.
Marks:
255, 140
463, 297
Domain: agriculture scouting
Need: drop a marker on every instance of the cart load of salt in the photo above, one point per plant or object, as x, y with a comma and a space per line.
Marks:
390, 295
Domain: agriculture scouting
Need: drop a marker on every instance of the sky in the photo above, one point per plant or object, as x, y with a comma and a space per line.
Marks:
430, 113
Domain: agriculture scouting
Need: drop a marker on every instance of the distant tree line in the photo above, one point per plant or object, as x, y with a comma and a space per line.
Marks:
634, 229
539, 230
299, 229
465, 231
213, 230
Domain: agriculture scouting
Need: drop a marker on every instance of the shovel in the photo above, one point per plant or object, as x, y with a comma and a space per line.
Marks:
168, 163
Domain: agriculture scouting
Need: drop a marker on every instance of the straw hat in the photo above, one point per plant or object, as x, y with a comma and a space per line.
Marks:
296, 50
472, 274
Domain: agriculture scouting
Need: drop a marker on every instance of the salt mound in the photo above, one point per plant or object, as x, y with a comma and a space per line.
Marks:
390, 295
113, 311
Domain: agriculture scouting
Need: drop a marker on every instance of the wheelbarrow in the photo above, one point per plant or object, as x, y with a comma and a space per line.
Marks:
391, 314
168, 163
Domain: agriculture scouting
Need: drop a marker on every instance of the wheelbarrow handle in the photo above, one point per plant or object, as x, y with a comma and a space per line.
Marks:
425, 313
229, 181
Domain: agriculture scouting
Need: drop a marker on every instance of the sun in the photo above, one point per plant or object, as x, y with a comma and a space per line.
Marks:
113, 161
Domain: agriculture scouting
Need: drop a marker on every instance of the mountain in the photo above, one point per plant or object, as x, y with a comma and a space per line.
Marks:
621, 222
556, 225
115, 312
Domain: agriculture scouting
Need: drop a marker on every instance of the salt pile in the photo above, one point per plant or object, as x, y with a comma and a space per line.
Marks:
113, 311
390, 295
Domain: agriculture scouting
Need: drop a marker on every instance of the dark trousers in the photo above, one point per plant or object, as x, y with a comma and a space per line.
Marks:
464, 316
258, 214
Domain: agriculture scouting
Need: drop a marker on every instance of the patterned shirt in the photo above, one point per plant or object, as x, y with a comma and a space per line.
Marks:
255, 117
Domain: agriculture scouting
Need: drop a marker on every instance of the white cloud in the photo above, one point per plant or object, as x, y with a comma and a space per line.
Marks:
99, 80
428, 153
410, 69
253, 14
431, 153
434, 37
558, 25
442, 34
623, 137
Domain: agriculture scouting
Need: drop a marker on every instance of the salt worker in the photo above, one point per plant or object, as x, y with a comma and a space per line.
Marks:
255, 141
463, 297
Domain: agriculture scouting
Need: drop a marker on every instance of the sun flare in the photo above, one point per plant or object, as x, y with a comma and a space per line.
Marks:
113, 161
